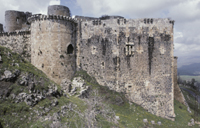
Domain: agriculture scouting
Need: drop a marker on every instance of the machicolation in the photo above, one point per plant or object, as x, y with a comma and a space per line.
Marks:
133, 56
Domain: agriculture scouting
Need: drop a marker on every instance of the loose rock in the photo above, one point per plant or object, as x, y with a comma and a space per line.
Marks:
145, 120
159, 123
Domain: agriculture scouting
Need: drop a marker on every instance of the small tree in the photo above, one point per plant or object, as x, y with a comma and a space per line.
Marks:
192, 84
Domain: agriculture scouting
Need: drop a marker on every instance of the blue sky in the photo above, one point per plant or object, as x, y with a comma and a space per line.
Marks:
186, 14
75, 9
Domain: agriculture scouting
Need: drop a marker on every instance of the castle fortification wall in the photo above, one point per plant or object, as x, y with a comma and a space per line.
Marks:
58, 10
132, 56
18, 42
53, 44
1, 27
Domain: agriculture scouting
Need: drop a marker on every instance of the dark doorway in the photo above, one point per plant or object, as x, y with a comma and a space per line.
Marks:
70, 49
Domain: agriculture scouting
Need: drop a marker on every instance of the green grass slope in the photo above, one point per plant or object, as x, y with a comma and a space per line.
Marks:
132, 115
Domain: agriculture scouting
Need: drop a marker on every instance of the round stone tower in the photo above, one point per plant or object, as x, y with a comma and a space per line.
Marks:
58, 10
1, 27
14, 20
53, 42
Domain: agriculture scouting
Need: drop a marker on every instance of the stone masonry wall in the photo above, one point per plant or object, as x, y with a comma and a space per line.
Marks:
53, 44
17, 42
132, 56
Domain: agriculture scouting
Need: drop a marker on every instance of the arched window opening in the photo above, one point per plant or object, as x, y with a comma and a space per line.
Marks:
70, 49
17, 19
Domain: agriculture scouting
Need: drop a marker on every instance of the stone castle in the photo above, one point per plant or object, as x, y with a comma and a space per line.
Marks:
133, 56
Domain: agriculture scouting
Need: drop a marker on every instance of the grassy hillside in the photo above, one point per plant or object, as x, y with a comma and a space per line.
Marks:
101, 108
192, 102
132, 115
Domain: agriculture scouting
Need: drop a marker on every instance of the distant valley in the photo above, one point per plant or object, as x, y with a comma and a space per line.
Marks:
191, 70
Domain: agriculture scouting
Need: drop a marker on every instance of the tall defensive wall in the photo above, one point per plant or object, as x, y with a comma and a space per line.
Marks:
133, 56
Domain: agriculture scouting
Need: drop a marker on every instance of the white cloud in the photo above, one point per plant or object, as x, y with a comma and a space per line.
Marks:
185, 11
131, 8
54, 2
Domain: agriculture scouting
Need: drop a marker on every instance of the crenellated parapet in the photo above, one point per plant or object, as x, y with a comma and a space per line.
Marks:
40, 17
15, 33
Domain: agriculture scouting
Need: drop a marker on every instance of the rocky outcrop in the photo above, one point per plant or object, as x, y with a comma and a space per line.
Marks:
78, 87
66, 85
9, 76
23, 82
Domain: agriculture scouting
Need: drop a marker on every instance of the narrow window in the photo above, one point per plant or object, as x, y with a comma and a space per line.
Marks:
152, 21
17, 19
118, 21
70, 49
147, 21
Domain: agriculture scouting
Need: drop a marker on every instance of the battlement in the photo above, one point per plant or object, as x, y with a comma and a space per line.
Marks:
39, 17
85, 18
15, 33
123, 21
105, 17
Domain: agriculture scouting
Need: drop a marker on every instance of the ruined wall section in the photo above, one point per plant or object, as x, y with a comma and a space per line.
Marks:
132, 56
53, 43
18, 42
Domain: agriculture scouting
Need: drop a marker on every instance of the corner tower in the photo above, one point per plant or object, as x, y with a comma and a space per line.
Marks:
58, 10
53, 42
14, 20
